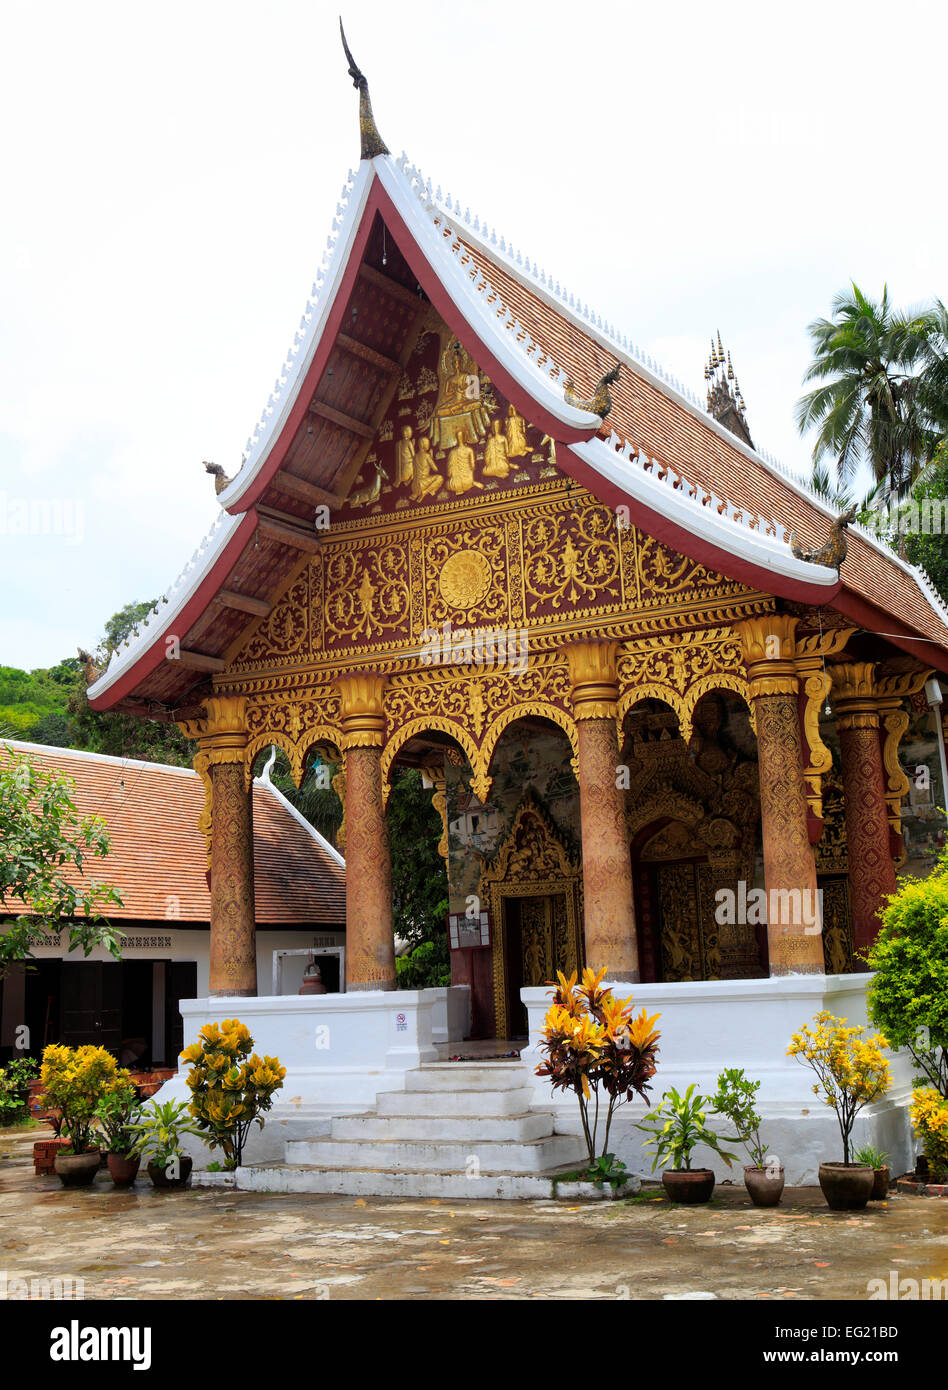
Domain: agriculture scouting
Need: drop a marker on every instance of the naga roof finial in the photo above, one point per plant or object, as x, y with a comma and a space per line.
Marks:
372, 142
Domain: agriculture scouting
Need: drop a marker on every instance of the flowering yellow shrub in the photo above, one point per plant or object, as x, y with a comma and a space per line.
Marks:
74, 1080
851, 1071
230, 1085
929, 1115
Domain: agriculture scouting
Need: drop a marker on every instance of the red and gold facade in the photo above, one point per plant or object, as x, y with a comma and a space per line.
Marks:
466, 591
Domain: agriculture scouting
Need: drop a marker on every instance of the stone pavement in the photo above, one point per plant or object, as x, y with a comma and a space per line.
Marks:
222, 1244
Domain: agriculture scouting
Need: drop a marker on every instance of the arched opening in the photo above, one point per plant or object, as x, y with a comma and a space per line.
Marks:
694, 831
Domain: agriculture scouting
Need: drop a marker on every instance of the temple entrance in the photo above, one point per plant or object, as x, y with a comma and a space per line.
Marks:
671, 881
532, 890
531, 928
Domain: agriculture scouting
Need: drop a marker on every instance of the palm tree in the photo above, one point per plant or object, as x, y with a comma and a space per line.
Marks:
872, 407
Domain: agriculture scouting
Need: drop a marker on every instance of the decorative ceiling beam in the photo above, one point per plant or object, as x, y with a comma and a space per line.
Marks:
304, 491
285, 534
244, 603
393, 288
200, 661
339, 417
367, 354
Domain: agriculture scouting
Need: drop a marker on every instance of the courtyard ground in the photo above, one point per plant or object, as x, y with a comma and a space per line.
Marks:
222, 1244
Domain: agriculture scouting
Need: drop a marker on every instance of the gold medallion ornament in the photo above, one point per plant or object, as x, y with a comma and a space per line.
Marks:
465, 579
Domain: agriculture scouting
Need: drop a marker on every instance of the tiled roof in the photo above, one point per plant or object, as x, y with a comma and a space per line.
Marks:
158, 854
653, 419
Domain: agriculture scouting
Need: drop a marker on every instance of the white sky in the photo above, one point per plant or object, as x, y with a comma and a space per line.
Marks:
170, 175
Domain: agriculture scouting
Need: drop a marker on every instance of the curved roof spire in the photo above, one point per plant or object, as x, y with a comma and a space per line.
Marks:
372, 142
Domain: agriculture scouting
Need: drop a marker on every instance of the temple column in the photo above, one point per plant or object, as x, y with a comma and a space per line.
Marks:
794, 929
608, 901
871, 871
233, 945
370, 933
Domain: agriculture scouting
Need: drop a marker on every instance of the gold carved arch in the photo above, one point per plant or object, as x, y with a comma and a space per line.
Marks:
531, 709
481, 781
666, 802
652, 691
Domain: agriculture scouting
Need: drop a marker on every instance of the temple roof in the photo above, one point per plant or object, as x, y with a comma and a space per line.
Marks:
158, 853
397, 246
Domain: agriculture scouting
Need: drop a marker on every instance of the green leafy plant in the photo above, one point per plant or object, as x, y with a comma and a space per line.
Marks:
871, 1157
159, 1129
907, 996
231, 1087
75, 1080
45, 847
15, 1080
677, 1125
116, 1113
850, 1069
736, 1099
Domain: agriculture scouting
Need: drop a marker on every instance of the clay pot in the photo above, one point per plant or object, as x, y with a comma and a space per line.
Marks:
77, 1170
123, 1168
159, 1178
688, 1185
763, 1190
846, 1186
880, 1188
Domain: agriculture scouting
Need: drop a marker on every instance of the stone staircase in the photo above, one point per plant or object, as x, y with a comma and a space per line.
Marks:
458, 1130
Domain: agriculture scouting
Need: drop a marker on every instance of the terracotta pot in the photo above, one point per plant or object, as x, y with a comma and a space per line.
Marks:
77, 1170
880, 1188
764, 1190
688, 1185
159, 1178
123, 1168
846, 1186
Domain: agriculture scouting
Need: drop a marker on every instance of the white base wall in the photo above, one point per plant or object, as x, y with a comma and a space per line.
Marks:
709, 1025
340, 1052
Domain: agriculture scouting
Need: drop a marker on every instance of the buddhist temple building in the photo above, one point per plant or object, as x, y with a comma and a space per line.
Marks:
661, 693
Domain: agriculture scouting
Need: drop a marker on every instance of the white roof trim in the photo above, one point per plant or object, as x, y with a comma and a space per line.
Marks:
678, 499
162, 619
311, 830
110, 758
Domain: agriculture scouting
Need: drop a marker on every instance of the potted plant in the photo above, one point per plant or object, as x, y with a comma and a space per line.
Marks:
74, 1081
929, 1115
15, 1080
736, 1099
852, 1073
596, 1049
231, 1087
116, 1113
159, 1130
879, 1163
675, 1127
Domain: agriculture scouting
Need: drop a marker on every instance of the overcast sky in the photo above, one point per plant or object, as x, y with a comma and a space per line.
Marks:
170, 174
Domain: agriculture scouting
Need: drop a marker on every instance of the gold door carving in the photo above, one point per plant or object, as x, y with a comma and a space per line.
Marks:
533, 863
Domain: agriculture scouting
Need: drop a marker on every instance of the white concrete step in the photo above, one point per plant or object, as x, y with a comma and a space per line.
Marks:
373, 1182
512, 1101
515, 1128
425, 1155
468, 1076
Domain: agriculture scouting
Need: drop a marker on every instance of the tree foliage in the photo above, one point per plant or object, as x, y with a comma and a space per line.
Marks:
42, 834
908, 995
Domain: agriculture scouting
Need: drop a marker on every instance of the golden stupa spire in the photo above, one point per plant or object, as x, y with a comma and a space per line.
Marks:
371, 141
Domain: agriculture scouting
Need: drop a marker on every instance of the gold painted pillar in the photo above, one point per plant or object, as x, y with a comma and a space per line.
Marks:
233, 945
370, 933
608, 901
871, 871
794, 930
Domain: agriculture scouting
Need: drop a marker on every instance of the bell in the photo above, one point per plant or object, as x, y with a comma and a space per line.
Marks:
312, 980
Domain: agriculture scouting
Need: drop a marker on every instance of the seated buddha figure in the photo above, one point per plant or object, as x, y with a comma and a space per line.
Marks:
495, 453
461, 462
426, 479
459, 403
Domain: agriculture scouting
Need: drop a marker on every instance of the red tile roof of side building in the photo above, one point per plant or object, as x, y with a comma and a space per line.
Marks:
158, 857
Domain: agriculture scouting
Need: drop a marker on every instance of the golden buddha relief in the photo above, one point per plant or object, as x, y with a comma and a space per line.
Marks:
459, 408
